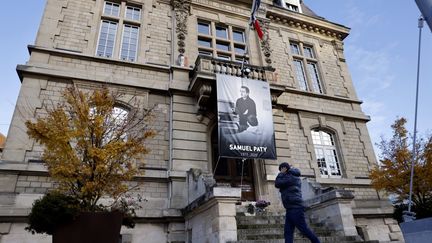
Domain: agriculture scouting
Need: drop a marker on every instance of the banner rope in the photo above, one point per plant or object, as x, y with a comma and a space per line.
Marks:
216, 166
241, 179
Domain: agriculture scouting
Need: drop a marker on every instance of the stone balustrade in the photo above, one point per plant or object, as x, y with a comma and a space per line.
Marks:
206, 65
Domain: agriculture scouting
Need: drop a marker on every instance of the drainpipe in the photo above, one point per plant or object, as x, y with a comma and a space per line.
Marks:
171, 110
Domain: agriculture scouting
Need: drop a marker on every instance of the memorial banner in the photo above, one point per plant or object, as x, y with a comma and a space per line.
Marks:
245, 118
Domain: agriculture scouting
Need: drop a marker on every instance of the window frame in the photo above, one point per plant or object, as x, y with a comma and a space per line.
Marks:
134, 8
243, 34
292, 5
232, 44
136, 45
315, 83
121, 22
204, 23
99, 39
226, 37
112, 4
303, 84
333, 147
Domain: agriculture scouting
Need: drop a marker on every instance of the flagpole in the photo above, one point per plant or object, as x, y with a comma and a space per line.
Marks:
247, 48
408, 215
252, 20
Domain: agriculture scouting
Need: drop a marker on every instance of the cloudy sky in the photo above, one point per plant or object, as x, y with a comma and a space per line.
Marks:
381, 52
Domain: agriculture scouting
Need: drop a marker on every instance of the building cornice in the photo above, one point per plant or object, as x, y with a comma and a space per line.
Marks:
354, 116
307, 23
39, 169
323, 96
78, 55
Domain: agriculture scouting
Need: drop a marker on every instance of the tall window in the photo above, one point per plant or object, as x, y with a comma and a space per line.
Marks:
306, 67
326, 153
107, 37
129, 18
129, 43
221, 41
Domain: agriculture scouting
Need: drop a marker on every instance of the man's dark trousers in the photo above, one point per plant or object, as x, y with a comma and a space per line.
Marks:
295, 218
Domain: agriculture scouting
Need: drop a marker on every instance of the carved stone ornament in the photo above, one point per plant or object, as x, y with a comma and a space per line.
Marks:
265, 42
274, 98
182, 11
339, 49
203, 97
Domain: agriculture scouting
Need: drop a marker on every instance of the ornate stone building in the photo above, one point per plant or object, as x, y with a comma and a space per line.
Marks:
167, 53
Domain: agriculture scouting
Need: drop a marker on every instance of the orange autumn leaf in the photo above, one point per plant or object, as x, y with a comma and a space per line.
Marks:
91, 147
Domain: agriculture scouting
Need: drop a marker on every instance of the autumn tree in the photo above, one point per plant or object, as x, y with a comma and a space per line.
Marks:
393, 173
91, 144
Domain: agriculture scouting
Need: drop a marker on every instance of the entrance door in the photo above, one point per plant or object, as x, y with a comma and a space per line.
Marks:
229, 172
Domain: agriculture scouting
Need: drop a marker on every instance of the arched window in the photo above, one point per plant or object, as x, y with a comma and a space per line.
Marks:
326, 153
114, 123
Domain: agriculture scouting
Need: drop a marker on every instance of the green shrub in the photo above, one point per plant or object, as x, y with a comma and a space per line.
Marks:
50, 211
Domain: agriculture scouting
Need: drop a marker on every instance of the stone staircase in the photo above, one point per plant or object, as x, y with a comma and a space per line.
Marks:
265, 228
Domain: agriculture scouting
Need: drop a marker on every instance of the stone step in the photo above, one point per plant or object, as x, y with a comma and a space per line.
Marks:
261, 241
269, 229
301, 240
327, 239
263, 228
260, 220
279, 231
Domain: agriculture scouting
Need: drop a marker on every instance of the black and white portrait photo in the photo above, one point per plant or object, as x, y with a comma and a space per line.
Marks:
245, 118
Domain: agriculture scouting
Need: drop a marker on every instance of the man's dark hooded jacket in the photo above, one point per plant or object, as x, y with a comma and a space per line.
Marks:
289, 185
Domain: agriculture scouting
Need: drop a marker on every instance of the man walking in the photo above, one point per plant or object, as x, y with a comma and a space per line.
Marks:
288, 182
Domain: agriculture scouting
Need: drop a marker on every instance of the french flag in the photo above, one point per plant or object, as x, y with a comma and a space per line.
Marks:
253, 20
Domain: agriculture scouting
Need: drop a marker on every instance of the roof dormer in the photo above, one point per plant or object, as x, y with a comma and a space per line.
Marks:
292, 5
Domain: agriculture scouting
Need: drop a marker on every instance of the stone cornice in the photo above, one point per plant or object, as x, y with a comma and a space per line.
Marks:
357, 116
355, 182
324, 96
39, 169
227, 7
66, 53
311, 24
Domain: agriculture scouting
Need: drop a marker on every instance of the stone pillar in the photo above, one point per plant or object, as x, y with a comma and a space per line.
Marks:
176, 232
333, 208
17, 141
211, 218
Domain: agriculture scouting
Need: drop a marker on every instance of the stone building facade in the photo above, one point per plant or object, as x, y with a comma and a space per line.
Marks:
167, 53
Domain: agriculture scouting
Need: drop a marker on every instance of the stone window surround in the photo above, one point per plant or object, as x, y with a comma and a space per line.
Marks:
334, 125
337, 133
122, 21
305, 60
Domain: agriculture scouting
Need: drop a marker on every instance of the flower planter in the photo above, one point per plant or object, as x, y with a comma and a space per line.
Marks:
98, 227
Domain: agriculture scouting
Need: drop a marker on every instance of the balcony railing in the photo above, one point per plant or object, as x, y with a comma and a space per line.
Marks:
207, 67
